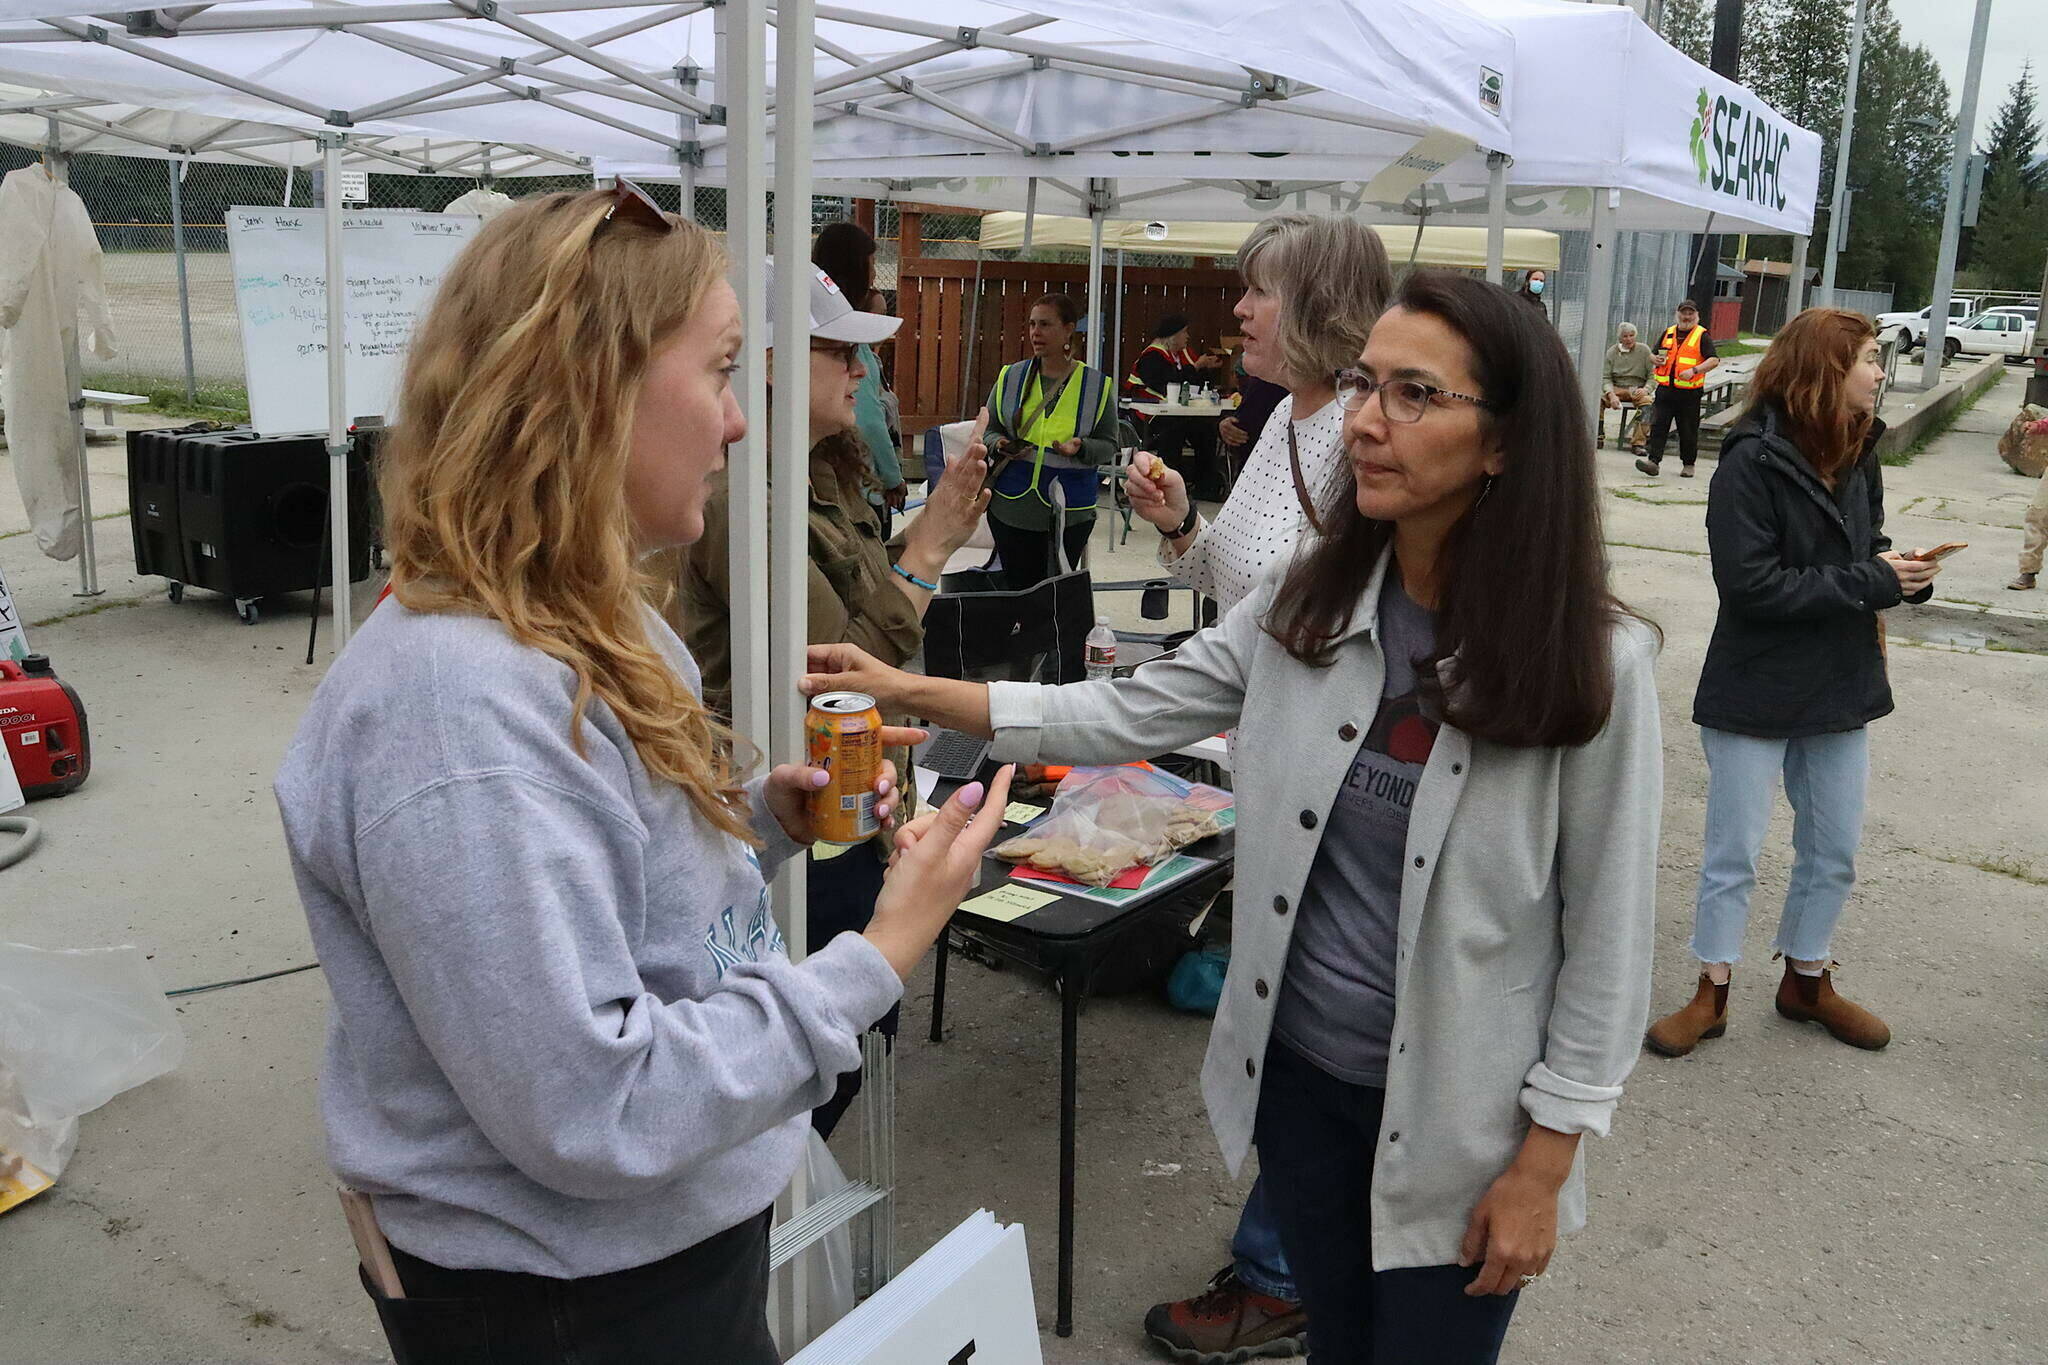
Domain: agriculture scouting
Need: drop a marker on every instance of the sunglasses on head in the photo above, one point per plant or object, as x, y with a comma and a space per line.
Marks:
630, 203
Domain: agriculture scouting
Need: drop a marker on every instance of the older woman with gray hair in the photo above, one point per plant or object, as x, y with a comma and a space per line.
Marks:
1314, 286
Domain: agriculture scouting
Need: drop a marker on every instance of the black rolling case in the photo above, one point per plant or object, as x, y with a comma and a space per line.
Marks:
246, 514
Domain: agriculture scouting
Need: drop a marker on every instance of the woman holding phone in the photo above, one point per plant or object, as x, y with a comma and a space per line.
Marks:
1795, 672
1449, 777
568, 1059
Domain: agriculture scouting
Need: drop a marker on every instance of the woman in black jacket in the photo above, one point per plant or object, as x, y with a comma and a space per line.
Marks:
1796, 668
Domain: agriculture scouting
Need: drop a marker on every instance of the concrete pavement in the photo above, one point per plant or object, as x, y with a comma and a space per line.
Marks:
1774, 1198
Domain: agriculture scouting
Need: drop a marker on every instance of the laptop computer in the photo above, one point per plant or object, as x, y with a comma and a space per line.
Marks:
952, 755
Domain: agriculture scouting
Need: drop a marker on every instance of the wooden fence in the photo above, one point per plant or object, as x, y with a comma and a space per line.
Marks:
964, 320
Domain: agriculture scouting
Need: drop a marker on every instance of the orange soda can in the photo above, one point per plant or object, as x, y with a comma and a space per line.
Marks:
844, 734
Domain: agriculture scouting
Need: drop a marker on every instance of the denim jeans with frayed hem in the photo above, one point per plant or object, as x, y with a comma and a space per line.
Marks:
1825, 778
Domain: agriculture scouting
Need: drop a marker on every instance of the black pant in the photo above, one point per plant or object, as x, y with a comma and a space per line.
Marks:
1317, 1137
841, 899
1683, 406
1169, 436
1027, 556
708, 1302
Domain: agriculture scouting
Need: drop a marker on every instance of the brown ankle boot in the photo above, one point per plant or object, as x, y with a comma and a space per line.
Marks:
1812, 999
1704, 1016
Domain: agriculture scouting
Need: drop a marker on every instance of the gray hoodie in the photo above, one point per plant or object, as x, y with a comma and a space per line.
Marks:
565, 1037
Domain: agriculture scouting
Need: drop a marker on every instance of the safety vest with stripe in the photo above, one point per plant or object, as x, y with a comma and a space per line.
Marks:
1680, 355
1025, 478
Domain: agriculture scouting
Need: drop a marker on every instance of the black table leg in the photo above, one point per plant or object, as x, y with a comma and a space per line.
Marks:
1070, 1028
939, 989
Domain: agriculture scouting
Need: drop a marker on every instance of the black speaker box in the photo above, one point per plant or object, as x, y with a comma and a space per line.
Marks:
252, 510
153, 503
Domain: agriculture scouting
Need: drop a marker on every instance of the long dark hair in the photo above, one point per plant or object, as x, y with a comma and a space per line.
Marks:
1523, 604
846, 252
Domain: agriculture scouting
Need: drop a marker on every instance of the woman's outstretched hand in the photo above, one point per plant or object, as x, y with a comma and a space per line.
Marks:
936, 863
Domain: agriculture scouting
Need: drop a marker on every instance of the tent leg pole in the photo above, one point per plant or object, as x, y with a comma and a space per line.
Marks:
88, 551
1117, 336
1096, 209
177, 170
1795, 287
1496, 215
1030, 212
1599, 300
789, 505
337, 387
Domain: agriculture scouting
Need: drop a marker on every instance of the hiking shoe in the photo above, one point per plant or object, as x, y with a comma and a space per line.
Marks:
1648, 466
2024, 583
1685, 472
1227, 1323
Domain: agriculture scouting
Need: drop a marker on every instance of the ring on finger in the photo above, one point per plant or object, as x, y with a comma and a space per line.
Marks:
1528, 1280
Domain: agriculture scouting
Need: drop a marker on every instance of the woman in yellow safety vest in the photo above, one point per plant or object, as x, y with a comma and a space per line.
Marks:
1052, 425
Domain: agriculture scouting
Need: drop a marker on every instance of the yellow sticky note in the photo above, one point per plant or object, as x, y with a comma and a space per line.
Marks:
19, 1182
1022, 812
1008, 902
825, 853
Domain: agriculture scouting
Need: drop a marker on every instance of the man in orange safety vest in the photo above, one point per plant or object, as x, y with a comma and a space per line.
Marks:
1684, 359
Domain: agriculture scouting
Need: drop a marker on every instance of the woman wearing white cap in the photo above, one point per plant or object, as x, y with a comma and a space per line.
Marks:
863, 590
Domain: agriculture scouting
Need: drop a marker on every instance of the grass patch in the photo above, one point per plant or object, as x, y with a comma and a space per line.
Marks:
1633, 496
93, 610
2019, 869
30, 530
1746, 344
1660, 549
209, 402
1935, 432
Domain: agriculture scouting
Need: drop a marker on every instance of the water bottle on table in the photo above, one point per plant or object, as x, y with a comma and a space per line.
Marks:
1100, 651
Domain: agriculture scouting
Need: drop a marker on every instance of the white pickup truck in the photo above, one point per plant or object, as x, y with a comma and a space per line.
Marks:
2002, 331
1910, 329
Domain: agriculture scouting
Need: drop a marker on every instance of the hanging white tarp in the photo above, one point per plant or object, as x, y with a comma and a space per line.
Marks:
1463, 247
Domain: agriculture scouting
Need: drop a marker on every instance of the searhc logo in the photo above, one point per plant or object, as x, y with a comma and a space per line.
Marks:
1739, 151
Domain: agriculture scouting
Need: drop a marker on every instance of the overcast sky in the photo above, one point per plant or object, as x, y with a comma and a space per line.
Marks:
2019, 30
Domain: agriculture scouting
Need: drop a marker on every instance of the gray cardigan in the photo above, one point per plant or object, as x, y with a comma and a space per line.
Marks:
1526, 923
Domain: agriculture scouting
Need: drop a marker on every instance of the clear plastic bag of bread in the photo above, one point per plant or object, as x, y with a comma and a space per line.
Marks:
1106, 820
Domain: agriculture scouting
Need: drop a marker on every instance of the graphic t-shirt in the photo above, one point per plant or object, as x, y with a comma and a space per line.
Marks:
1337, 1002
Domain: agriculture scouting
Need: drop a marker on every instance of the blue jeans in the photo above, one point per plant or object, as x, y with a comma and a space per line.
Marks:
1260, 1260
1316, 1138
1825, 778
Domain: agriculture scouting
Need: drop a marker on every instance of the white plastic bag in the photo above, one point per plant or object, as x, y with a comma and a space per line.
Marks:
1106, 820
77, 1027
830, 1262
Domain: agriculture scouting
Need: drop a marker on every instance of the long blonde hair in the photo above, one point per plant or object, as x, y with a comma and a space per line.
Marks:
504, 483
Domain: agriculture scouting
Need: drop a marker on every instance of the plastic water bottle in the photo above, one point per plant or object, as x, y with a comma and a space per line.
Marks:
1100, 651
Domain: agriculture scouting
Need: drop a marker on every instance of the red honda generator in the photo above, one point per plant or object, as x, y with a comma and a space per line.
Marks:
42, 727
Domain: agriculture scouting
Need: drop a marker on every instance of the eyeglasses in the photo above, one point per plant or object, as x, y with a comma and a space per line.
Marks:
1403, 400
844, 352
631, 203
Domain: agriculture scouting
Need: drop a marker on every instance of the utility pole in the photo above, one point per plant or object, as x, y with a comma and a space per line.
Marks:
1726, 60
1838, 205
1952, 218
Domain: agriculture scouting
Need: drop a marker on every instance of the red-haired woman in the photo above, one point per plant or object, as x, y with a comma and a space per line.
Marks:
1796, 670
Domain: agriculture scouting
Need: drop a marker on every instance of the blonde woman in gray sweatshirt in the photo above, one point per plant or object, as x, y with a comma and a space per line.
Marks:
568, 1058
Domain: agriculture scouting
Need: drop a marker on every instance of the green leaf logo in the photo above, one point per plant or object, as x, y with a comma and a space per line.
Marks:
1699, 137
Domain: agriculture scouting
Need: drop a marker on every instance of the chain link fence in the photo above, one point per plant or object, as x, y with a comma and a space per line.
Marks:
160, 224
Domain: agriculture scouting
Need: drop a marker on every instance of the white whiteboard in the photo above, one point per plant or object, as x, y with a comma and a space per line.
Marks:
393, 263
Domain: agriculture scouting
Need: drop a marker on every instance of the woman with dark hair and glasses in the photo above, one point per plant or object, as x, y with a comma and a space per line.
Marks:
1449, 776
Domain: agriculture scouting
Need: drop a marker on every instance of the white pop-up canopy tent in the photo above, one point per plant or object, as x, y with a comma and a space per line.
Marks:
1462, 247
637, 80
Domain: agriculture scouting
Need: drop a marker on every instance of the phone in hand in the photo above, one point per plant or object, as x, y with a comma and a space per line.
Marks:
1940, 552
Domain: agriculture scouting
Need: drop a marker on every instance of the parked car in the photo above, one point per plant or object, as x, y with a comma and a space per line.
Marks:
1910, 329
2001, 332
2030, 311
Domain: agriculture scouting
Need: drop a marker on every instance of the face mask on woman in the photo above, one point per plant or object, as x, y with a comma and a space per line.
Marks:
1536, 286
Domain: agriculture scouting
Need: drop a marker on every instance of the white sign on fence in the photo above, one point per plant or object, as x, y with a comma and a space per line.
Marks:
355, 187
394, 263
